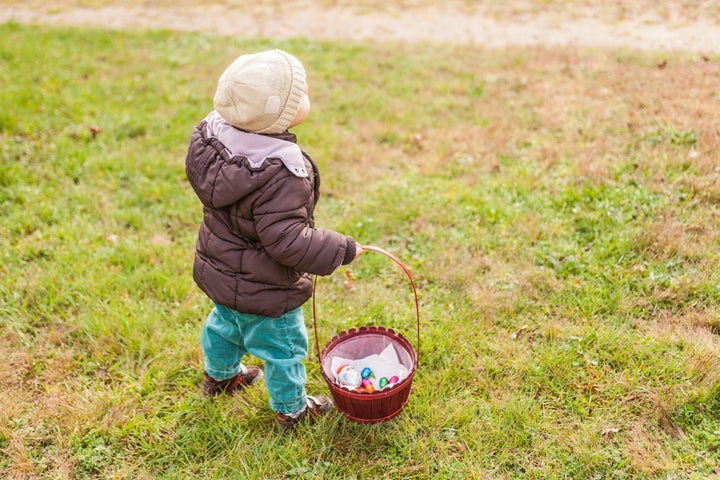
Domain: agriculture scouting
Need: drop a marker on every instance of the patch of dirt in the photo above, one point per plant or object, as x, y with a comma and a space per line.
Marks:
673, 25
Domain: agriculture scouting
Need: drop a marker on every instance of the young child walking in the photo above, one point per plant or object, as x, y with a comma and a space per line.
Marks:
258, 245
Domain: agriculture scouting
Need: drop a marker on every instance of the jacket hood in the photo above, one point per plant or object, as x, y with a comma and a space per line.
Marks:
224, 164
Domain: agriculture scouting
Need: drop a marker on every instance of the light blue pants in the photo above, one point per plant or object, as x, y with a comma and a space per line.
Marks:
282, 343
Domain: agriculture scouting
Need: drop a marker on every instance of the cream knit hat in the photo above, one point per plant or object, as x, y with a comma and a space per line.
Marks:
261, 92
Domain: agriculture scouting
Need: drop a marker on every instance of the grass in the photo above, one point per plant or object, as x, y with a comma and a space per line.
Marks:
558, 209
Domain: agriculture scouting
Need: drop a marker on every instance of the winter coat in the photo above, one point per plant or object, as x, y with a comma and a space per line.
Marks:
258, 245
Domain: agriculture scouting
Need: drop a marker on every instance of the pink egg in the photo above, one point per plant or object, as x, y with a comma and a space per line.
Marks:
393, 379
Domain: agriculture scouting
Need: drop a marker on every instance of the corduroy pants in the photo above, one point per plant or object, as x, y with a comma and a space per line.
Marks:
282, 343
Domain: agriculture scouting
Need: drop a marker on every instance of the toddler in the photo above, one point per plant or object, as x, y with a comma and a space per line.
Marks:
258, 245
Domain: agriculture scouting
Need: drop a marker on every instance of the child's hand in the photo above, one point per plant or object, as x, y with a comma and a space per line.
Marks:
358, 250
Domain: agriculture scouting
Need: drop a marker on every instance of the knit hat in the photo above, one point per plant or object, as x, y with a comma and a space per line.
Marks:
261, 92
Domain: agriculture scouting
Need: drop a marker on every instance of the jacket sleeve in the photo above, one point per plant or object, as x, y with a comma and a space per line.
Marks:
281, 221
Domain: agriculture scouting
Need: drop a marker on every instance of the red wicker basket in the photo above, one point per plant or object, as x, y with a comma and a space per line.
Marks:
383, 404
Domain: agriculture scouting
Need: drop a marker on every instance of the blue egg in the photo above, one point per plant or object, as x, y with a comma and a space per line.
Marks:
366, 372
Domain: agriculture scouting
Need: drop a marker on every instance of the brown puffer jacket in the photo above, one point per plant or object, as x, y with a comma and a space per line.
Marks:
257, 245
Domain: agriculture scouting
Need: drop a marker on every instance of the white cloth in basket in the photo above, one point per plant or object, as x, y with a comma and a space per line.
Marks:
384, 364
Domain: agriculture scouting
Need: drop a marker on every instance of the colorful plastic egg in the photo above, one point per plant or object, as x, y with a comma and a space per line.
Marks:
393, 379
369, 387
366, 372
347, 376
383, 382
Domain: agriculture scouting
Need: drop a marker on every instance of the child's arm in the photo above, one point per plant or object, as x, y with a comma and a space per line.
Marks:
281, 224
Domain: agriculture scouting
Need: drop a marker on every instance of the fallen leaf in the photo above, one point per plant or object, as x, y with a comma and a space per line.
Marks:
95, 130
349, 279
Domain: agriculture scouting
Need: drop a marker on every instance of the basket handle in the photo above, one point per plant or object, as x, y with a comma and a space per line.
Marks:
404, 269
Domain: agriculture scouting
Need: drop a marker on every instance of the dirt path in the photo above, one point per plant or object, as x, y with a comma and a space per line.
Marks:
500, 24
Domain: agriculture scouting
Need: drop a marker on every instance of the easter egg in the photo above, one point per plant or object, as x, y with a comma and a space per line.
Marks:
394, 379
347, 376
366, 372
369, 387
383, 382
365, 382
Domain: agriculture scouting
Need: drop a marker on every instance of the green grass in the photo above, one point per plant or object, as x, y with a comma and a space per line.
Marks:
558, 209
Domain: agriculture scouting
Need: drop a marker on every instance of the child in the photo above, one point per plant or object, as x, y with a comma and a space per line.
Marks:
258, 245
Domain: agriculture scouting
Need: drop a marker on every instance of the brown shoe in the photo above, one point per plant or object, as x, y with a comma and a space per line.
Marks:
315, 406
250, 375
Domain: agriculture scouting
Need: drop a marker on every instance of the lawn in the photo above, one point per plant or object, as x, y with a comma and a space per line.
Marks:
558, 210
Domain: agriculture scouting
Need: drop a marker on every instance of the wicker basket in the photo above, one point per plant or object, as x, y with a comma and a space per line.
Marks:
381, 405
